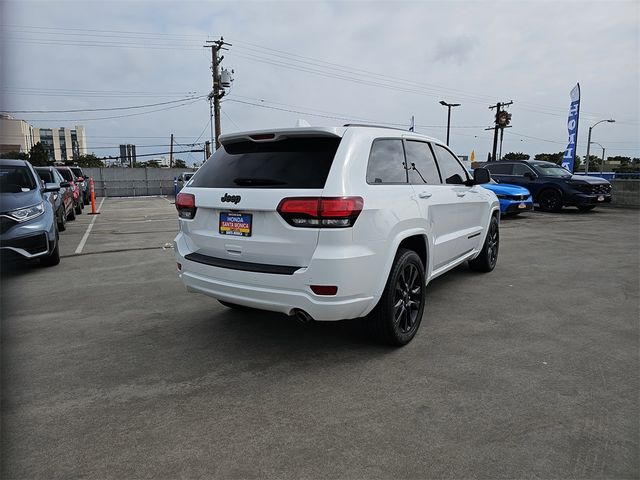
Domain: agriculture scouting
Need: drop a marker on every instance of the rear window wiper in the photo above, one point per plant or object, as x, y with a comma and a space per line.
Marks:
248, 182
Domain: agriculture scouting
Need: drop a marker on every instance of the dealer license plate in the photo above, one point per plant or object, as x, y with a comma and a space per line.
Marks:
601, 198
522, 205
235, 224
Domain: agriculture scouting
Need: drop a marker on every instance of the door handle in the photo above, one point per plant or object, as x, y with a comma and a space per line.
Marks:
425, 195
461, 194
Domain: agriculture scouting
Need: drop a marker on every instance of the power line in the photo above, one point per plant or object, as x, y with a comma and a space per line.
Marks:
115, 116
105, 109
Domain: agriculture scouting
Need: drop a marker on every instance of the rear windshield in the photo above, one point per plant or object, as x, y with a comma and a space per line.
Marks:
289, 163
14, 179
66, 174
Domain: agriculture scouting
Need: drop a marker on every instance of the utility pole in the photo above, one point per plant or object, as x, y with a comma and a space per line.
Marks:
171, 152
217, 92
501, 122
207, 150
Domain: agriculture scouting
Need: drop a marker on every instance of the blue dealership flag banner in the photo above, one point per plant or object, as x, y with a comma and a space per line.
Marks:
572, 129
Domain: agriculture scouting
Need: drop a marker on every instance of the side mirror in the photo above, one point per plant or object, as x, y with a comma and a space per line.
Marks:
481, 175
65, 184
529, 175
51, 187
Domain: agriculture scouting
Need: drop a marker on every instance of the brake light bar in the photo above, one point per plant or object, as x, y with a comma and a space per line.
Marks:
263, 136
186, 205
321, 212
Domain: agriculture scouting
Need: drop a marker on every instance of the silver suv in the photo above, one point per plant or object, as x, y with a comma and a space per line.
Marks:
333, 223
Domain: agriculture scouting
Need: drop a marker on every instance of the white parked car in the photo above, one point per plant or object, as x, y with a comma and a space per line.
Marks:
333, 223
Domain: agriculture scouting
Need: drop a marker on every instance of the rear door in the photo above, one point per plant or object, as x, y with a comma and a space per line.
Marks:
238, 190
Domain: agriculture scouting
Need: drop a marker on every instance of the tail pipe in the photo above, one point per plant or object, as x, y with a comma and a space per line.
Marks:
302, 316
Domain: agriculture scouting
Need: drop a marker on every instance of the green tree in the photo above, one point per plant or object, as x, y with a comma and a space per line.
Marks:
624, 161
89, 160
38, 155
178, 163
516, 156
594, 162
152, 164
550, 157
15, 155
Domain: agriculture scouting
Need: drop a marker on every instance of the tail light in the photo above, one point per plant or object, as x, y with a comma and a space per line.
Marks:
321, 212
186, 205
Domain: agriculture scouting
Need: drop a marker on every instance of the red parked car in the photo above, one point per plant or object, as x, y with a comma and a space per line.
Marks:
68, 175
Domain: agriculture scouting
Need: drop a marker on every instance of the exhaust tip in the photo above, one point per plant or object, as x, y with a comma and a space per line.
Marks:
302, 316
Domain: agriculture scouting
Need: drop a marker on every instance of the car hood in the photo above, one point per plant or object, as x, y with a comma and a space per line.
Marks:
14, 201
588, 179
506, 189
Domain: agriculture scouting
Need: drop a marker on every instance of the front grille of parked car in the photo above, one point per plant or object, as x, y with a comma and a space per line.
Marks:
517, 197
597, 189
601, 188
6, 223
32, 243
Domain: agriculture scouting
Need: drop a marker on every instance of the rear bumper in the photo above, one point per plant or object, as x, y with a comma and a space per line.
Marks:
285, 293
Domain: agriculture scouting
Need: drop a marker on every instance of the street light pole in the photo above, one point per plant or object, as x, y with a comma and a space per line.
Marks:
586, 164
602, 162
449, 106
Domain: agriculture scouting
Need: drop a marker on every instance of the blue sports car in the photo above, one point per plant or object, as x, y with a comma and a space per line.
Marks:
513, 199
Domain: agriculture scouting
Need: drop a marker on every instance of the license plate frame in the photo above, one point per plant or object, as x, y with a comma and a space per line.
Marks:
235, 224
601, 198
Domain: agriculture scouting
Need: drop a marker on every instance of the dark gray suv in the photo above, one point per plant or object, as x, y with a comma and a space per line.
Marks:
551, 185
28, 227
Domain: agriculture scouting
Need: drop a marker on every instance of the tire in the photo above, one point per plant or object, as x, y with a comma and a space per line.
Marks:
586, 208
72, 214
486, 261
53, 258
62, 220
397, 316
550, 200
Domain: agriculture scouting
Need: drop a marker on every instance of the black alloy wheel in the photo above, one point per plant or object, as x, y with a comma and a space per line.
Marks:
550, 200
397, 316
488, 257
407, 298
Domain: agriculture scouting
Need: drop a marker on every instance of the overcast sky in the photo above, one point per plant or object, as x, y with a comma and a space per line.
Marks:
327, 63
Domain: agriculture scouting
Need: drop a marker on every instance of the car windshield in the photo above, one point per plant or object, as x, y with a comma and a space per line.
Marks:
16, 179
76, 171
550, 170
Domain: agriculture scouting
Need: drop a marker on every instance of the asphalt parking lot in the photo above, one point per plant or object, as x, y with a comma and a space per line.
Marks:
111, 370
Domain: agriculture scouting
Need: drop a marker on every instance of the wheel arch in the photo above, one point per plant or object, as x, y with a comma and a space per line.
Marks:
414, 239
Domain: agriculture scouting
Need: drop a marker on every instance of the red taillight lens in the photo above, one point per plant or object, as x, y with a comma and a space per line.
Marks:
319, 212
324, 289
263, 136
186, 205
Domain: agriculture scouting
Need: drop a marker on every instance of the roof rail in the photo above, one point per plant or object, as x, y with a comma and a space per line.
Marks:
371, 125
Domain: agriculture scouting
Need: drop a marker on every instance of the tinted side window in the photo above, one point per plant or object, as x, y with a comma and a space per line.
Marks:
499, 168
386, 162
519, 169
66, 174
421, 164
450, 169
289, 163
45, 175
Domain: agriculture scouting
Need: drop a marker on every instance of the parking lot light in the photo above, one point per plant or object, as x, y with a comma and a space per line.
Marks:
586, 164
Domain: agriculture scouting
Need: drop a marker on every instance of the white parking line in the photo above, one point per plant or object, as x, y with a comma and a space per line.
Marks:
86, 234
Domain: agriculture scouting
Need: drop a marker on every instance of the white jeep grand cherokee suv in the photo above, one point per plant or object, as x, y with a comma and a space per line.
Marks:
330, 223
